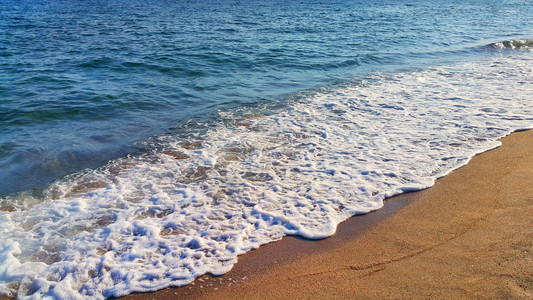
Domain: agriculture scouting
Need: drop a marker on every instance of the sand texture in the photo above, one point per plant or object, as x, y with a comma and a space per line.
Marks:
469, 236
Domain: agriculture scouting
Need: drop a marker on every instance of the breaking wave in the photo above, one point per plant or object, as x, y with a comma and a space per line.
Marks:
194, 202
514, 45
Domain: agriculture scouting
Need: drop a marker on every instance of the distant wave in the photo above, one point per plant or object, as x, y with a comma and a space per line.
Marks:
514, 44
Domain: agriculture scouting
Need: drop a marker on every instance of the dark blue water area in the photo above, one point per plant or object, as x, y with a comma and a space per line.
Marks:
83, 82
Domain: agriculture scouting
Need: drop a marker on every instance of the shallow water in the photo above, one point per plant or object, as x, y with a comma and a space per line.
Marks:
88, 81
145, 144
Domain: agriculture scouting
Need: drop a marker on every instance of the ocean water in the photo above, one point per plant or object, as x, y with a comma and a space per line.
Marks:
146, 143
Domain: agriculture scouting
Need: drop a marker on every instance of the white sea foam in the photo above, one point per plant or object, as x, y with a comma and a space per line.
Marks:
514, 45
191, 207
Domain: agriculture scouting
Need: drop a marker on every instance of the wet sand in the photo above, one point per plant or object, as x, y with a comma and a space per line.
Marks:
469, 236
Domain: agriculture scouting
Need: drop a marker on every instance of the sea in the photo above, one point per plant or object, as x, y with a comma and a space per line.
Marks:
146, 143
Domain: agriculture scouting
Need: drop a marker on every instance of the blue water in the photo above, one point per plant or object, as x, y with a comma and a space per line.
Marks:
82, 82
145, 143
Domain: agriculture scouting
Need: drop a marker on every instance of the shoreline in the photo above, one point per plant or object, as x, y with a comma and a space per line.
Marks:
467, 236
279, 254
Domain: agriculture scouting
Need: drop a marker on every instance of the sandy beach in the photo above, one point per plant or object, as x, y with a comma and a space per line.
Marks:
258, 149
469, 236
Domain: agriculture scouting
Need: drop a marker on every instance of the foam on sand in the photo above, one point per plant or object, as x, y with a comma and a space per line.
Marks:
192, 205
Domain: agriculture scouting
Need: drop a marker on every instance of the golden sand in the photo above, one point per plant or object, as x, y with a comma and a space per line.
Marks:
469, 236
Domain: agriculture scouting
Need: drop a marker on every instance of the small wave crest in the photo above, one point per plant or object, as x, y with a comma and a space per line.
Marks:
514, 45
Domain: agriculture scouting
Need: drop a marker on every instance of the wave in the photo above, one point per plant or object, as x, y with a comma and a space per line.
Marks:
513, 45
194, 202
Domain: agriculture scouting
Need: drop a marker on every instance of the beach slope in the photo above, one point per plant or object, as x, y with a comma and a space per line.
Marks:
469, 236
